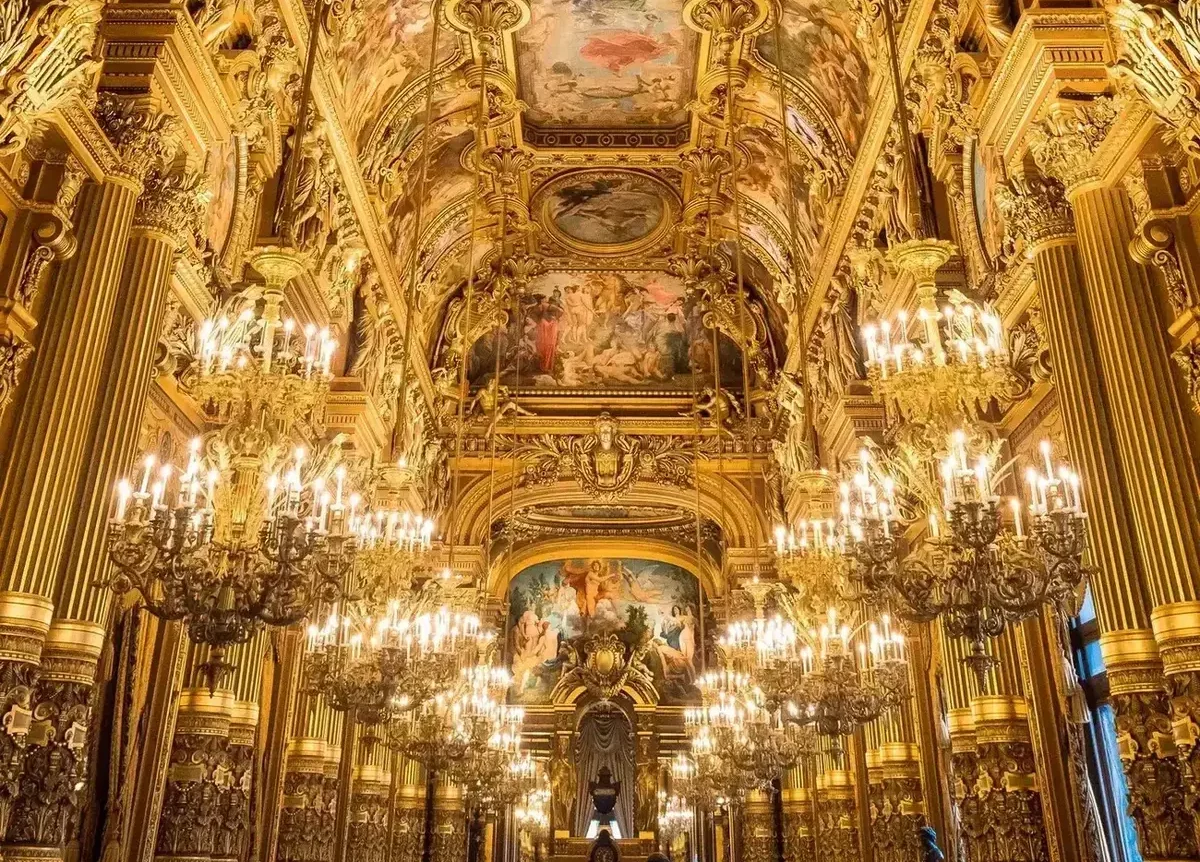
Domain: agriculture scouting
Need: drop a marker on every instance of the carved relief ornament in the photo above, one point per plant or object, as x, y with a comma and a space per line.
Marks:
1035, 210
45, 58
607, 463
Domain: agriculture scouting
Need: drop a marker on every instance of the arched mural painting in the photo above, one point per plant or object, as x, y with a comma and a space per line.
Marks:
645, 603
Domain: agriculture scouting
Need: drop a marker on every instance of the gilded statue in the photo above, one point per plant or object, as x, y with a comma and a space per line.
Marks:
310, 226
646, 814
495, 402
562, 784
719, 406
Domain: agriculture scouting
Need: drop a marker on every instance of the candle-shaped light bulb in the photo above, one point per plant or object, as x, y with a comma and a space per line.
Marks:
124, 490
148, 463
1045, 448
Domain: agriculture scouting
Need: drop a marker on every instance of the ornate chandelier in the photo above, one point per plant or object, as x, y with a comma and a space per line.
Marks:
252, 365
392, 546
850, 676
982, 564
675, 816
952, 365
532, 811
371, 665
738, 743
833, 678
468, 719
232, 547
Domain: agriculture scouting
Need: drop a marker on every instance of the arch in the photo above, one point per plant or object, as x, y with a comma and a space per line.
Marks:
722, 500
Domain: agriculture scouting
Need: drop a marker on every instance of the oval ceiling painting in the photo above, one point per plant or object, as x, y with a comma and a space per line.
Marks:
606, 212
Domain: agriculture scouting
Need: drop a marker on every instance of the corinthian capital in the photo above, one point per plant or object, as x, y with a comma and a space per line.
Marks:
1035, 210
1064, 142
143, 136
506, 162
707, 163
173, 203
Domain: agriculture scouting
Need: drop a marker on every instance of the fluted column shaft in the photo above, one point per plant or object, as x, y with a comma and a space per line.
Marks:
1148, 419
113, 431
1118, 583
49, 449
1121, 602
76, 635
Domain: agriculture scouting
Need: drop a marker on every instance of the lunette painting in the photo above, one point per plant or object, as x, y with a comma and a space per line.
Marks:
570, 600
626, 329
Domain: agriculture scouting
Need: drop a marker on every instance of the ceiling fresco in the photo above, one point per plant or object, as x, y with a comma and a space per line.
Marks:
601, 212
384, 48
606, 63
821, 48
604, 329
604, 97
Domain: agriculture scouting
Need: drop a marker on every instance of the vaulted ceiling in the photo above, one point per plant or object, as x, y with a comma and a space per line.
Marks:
604, 95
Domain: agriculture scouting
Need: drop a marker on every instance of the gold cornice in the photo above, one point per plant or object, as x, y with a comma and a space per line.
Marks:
165, 38
86, 140
721, 500
1050, 49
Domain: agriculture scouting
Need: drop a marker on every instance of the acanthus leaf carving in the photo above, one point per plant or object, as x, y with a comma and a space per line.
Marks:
45, 58
144, 136
1066, 139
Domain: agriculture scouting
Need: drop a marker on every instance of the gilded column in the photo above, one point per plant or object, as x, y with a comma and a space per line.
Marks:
837, 815
1037, 214
37, 500
408, 818
1157, 466
369, 801
449, 824
994, 773
306, 822
62, 695
798, 819
758, 829
897, 811
49, 447
199, 774
233, 830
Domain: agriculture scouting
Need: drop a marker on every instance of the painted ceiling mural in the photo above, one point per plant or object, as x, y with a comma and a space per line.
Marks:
562, 603
384, 49
601, 212
604, 329
821, 48
604, 104
606, 63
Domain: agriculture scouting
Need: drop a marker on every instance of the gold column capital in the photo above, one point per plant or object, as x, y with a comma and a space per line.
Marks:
1035, 210
1067, 138
1177, 629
